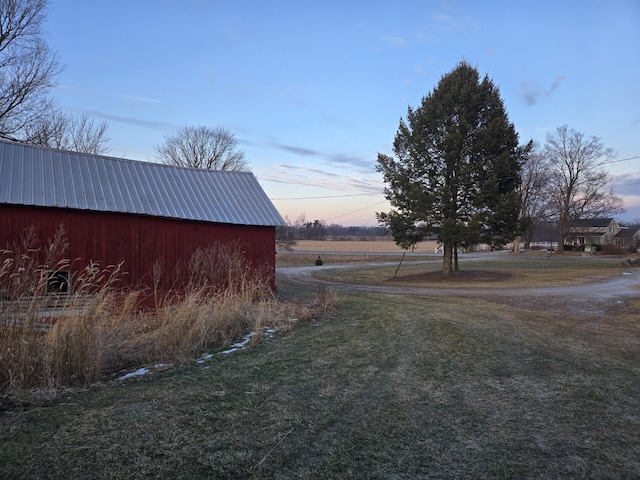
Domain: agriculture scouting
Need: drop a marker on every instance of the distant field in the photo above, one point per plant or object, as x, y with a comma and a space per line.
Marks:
359, 246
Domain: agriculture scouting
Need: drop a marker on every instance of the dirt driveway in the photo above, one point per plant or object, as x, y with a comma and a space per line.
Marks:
595, 298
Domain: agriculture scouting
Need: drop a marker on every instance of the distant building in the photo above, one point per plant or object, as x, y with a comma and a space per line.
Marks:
587, 232
140, 213
627, 237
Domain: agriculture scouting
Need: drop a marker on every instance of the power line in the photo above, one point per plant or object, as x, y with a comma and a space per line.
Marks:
377, 194
328, 196
620, 160
356, 211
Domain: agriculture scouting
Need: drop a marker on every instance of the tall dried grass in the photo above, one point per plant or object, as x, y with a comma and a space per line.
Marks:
97, 331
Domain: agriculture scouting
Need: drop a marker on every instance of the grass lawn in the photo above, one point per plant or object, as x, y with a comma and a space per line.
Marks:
505, 271
391, 387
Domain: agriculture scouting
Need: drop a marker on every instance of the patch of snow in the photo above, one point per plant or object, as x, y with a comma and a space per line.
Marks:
245, 340
205, 357
138, 373
239, 345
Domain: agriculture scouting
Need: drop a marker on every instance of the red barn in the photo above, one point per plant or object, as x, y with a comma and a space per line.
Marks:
115, 210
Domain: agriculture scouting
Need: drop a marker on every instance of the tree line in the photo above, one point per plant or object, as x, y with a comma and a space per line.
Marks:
303, 229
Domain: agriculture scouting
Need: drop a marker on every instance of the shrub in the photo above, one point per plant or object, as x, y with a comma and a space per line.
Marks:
612, 250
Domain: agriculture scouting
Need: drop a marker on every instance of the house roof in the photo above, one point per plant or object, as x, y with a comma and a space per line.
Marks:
591, 222
44, 177
627, 233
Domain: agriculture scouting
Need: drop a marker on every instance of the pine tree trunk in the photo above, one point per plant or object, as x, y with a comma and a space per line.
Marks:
403, 254
455, 257
447, 264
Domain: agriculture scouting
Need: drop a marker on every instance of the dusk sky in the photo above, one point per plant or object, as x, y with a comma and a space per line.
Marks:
314, 90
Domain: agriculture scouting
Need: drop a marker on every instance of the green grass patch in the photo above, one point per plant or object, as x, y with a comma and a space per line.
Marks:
391, 387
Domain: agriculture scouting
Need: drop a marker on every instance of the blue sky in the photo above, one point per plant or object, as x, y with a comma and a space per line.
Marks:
314, 90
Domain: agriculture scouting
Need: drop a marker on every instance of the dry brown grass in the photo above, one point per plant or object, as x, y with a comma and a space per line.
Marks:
96, 331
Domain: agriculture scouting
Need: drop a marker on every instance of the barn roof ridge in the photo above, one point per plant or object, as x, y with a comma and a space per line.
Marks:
117, 159
47, 177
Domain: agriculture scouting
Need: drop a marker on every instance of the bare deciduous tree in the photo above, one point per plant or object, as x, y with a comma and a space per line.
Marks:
203, 147
533, 202
578, 185
68, 132
28, 68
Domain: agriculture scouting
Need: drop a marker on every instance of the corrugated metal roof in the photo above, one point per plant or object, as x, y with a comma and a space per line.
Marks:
44, 177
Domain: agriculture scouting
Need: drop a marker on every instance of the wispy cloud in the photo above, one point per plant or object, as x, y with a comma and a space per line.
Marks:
66, 87
140, 122
424, 37
303, 170
315, 177
627, 184
532, 92
339, 159
451, 23
627, 187
442, 18
137, 99
394, 41
342, 159
303, 152
88, 92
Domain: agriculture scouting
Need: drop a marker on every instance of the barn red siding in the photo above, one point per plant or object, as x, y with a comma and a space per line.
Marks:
137, 240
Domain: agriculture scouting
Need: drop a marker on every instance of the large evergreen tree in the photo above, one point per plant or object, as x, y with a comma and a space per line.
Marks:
456, 168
